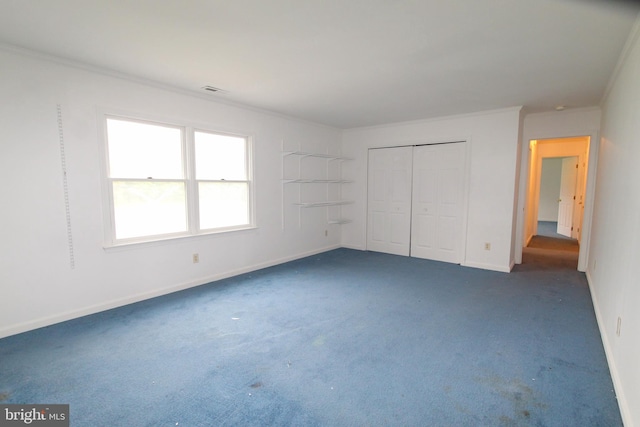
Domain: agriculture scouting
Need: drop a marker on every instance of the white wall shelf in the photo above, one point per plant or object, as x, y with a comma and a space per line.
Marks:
309, 175
321, 204
316, 181
339, 221
320, 155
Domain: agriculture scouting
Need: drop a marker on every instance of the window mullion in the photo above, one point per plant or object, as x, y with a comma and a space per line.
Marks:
191, 183
248, 164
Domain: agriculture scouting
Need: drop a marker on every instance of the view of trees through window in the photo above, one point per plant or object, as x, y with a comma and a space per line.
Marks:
155, 192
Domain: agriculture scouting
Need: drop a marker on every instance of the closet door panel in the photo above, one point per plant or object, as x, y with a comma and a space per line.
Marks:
389, 200
438, 202
415, 201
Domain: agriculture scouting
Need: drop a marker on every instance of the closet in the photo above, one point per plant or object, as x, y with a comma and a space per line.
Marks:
416, 201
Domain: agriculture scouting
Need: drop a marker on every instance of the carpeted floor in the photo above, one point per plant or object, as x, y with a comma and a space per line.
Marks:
344, 338
549, 229
550, 250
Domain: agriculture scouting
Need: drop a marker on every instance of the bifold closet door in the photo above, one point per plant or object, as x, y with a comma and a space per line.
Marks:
389, 200
438, 187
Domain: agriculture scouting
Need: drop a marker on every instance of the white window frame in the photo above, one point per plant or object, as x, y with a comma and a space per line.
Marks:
191, 183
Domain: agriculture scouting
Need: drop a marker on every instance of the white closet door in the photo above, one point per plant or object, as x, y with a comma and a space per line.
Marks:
438, 187
389, 200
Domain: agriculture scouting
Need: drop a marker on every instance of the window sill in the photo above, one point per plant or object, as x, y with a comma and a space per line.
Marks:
165, 240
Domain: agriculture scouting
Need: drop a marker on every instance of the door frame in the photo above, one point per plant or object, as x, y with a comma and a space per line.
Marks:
536, 189
523, 194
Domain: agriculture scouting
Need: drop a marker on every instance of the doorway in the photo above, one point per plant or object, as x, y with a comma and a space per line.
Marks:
556, 194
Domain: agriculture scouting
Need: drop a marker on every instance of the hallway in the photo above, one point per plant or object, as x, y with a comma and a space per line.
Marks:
551, 249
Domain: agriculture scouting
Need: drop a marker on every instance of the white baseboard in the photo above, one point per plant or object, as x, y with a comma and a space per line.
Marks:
528, 240
500, 268
355, 247
73, 314
608, 351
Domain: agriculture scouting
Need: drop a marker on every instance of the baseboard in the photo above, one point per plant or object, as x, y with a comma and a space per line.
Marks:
73, 314
500, 268
355, 247
608, 351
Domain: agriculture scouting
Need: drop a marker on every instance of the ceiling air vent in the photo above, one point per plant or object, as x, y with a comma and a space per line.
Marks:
213, 89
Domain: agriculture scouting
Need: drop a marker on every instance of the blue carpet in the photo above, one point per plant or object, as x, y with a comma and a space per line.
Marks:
344, 338
550, 229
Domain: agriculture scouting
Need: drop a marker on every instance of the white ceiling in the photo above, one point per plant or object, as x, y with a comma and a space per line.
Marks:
344, 63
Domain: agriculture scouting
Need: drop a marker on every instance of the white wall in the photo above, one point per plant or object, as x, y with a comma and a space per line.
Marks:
37, 284
549, 189
614, 270
492, 170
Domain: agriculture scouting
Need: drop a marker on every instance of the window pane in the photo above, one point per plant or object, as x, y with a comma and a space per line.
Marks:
220, 157
149, 208
142, 150
223, 204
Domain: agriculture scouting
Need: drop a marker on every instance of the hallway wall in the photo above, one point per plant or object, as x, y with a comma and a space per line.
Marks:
613, 269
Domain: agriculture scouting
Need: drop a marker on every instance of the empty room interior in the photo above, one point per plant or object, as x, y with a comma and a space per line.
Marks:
320, 213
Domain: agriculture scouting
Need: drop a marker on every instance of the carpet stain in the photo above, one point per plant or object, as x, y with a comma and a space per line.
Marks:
564, 364
506, 421
319, 341
4, 396
256, 385
522, 397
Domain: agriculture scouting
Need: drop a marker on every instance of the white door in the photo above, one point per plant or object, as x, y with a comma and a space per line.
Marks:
389, 200
438, 186
567, 195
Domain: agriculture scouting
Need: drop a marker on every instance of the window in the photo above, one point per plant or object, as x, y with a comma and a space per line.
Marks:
171, 181
221, 173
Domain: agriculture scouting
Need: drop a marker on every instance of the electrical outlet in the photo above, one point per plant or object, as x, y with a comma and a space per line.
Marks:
487, 246
618, 326
196, 258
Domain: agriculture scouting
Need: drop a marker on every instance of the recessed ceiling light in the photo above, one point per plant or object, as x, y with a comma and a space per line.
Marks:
213, 89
